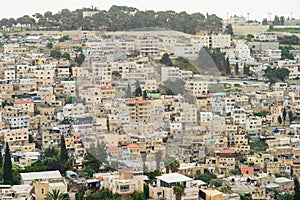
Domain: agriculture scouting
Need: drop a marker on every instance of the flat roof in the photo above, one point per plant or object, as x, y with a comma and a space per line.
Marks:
211, 192
41, 175
173, 178
282, 180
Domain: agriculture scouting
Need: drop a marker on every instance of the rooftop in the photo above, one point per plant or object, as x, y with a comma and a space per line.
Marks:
173, 178
41, 175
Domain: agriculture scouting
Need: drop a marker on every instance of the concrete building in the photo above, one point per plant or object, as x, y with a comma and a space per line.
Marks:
164, 187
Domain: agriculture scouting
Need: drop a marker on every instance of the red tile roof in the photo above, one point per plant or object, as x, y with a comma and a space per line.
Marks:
76, 133
226, 151
247, 170
138, 102
21, 101
113, 148
297, 161
133, 146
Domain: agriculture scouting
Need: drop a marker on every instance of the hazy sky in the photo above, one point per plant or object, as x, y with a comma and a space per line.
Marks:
258, 9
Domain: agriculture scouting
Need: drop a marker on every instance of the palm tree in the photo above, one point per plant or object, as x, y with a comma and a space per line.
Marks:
57, 195
178, 190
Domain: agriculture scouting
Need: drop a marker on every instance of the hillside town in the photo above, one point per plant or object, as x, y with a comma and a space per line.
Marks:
151, 113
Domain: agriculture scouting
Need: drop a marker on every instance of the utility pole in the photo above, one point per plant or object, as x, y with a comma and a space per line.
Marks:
227, 17
269, 14
248, 17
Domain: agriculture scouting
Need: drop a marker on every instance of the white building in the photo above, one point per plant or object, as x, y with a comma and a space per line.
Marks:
196, 87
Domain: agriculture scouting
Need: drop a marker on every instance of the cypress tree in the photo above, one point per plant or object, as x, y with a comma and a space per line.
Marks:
284, 114
296, 188
63, 150
236, 69
145, 95
128, 91
1, 159
8, 176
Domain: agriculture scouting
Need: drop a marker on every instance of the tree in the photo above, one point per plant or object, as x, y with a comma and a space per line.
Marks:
103, 193
276, 74
50, 152
95, 157
279, 119
227, 66
165, 59
171, 164
1, 159
66, 56
7, 170
138, 195
64, 38
285, 52
291, 40
56, 194
296, 188
128, 91
276, 21
158, 156
282, 20
63, 150
55, 53
284, 115
229, 29
178, 190
218, 58
145, 96
215, 182
246, 70
146, 190
79, 59
144, 157
138, 90
290, 114
50, 45
236, 69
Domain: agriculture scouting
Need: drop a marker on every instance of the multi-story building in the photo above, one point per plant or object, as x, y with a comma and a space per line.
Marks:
147, 46
139, 110
164, 187
196, 87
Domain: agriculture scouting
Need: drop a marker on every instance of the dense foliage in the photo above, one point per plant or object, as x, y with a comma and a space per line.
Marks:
259, 145
276, 74
218, 59
117, 18
291, 40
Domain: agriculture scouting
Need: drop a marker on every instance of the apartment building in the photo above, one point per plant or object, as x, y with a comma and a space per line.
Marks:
139, 110
123, 182
147, 46
196, 87
220, 41
44, 75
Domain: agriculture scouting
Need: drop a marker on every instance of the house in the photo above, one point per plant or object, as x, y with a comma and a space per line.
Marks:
210, 194
44, 182
164, 187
